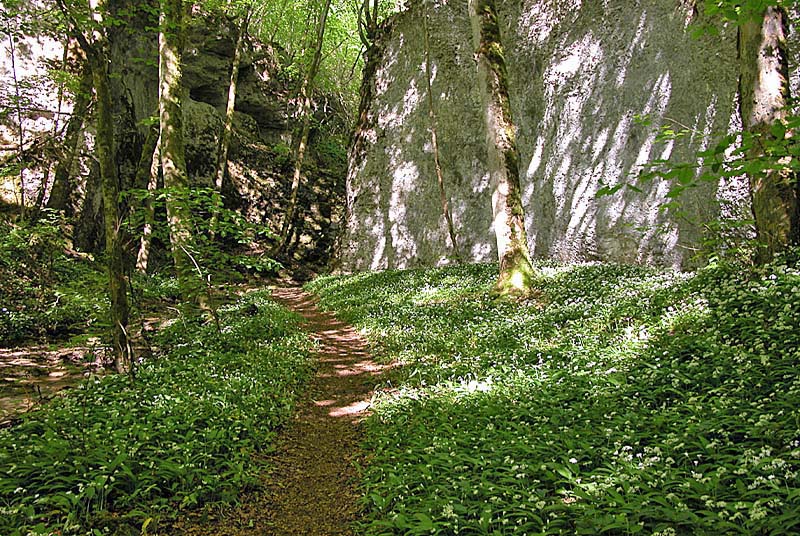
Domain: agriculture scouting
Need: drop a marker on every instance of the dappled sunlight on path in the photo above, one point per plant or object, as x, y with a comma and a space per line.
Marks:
33, 374
311, 488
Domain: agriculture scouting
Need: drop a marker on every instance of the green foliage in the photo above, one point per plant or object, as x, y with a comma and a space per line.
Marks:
290, 24
156, 287
41, 291
626, 401
116, 451
281, 155
332, 153
220, 234
739, 11
732, 156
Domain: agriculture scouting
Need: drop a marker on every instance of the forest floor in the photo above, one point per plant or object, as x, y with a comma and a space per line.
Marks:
310, 487
32, 374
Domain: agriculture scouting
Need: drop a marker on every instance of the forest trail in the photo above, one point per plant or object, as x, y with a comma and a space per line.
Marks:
311, 487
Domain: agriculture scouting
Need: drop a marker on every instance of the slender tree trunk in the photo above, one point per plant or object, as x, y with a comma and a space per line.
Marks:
98, 64
434, 139
516, 270
110, 187
62, 181
306, 92
40, 197
148, 172
20, 127
171, 40
227, 129
764, 92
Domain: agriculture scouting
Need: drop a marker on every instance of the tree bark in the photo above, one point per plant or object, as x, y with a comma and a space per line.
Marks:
148, 171
306, 92
225, 141
110, 186
63, 187
516, 270
171, 41
764, 92
434, 138
98, 63
227, 129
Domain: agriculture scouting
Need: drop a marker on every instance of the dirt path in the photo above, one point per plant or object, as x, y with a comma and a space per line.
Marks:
311, 488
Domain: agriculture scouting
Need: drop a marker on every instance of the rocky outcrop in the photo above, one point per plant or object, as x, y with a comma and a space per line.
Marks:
583, 77
259, 157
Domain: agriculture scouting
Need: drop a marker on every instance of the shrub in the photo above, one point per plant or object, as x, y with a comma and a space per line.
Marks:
42, 293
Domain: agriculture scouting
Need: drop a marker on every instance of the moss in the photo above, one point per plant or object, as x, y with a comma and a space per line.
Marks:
517, 274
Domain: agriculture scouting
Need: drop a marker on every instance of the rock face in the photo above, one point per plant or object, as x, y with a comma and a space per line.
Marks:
581, 75
259, 156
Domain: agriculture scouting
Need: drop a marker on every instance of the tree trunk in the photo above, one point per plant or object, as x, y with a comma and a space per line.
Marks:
171, 40
63, 187
12, 52
227, 129
148, 171
104, 144
434, 139
764, 91
516, 270
306, 92
98, 64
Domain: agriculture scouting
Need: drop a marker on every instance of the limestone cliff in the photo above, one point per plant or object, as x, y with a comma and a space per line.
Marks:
581, 73
259, 157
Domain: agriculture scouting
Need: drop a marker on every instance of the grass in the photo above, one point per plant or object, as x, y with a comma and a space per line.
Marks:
625, 400
114, 454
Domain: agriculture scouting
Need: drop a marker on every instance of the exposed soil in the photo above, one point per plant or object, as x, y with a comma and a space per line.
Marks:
33, 374
310, 488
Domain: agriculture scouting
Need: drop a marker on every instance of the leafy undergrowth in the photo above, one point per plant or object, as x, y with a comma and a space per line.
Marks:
43, 293
114, 453
624, 400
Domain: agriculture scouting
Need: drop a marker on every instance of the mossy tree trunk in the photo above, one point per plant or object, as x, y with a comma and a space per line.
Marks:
764, 93
171, 41
516, 270
305, 96
96, 50
110, 184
